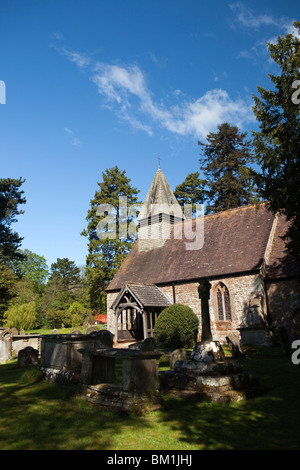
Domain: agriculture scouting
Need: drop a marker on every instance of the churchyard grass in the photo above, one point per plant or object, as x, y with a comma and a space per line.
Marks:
38, 415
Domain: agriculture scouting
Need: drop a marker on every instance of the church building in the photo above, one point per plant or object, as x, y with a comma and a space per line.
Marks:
254, 283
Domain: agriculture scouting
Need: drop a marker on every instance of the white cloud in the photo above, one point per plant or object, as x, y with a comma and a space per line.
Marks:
80, 59
290, 29
127, 90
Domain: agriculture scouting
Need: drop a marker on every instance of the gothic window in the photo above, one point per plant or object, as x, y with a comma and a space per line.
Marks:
223, 303
220, 305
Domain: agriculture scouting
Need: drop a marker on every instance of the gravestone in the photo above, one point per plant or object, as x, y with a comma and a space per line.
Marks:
177, 355
208, 352
28, 357
92, 328
5, 345
209, 375
75, 332
149, 344
234, 343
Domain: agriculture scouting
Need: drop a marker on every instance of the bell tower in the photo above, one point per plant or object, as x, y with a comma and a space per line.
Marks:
158, 213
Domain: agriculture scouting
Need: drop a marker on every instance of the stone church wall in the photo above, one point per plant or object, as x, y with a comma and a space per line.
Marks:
247, 301
284, 305
246, 296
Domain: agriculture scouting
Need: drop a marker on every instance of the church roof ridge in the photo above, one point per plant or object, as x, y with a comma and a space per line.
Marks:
231, 210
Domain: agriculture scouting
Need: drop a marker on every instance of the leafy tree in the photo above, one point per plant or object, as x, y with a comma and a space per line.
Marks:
108, 243
176, 327
21, 316
277, 143
8, 282
191, 191
225, 162
11, 197
64, 286
78, 314
33, 267
24, 292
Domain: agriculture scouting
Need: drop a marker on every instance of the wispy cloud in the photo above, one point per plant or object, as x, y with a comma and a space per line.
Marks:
80, 59
125, 91
75, 141
247, 18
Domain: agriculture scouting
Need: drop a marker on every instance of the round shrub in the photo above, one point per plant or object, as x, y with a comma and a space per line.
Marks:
176, 327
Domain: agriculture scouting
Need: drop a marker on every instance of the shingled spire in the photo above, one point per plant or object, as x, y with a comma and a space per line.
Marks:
159, 211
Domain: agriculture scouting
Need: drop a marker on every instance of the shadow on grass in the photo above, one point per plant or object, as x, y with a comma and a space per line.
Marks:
270, 421
36, 414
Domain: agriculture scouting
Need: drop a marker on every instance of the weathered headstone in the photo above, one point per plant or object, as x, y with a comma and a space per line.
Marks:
91, 328
5, 345
104, 338
28, 357
177, 355
75, 332
208, 352
234, 343
149, 344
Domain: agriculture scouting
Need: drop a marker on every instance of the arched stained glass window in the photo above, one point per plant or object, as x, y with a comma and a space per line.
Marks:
223, 303
227, 304
220, 305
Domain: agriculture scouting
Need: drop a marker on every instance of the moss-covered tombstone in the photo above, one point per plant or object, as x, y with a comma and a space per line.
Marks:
176, 327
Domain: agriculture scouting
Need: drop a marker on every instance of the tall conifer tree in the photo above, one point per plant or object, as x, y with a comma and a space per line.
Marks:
106, 250
226, 164
11, 197
191, 191
277, 143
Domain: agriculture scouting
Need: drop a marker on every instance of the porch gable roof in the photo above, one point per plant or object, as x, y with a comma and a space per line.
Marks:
146, 295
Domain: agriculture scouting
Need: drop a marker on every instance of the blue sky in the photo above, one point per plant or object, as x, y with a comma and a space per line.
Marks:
91, 84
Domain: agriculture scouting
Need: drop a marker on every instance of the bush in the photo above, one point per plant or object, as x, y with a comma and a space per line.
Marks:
176, 327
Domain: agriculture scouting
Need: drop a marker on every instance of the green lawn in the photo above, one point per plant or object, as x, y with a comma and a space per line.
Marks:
38, 415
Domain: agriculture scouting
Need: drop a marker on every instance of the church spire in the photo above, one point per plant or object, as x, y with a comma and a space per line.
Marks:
159, 211
160, 199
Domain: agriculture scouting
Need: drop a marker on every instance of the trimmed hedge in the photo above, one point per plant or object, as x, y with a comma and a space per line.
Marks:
176, 327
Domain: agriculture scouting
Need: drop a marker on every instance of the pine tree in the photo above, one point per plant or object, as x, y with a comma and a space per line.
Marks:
277, 144
108, 245
67, 271
191, 191
10, 198
226, 163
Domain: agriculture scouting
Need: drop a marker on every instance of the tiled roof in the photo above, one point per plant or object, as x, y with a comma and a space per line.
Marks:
281, 264
234, 241
148, 295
